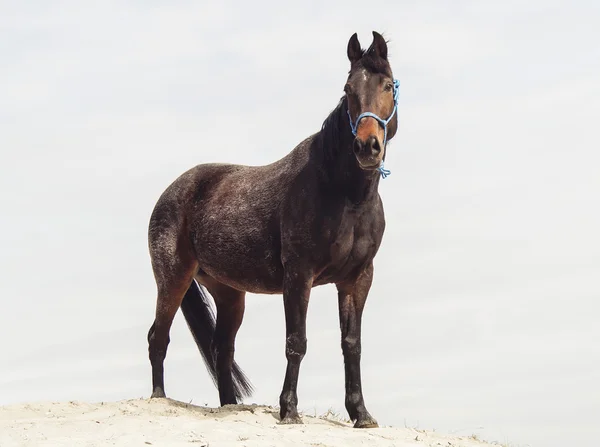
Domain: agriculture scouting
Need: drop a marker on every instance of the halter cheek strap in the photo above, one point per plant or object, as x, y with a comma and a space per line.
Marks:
384, 123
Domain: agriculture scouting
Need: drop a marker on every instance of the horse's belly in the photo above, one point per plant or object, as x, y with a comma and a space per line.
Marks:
236, 239
252, 284
244, 264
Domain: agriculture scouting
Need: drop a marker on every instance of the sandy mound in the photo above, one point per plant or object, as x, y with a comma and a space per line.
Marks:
164, 422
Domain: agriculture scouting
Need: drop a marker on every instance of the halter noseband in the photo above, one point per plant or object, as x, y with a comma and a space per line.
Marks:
384, 124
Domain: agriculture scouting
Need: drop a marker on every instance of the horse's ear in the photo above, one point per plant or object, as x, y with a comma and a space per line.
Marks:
354, 50
379, 45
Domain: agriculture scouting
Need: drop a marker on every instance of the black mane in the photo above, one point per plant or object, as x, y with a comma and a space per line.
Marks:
330, 136
330, 130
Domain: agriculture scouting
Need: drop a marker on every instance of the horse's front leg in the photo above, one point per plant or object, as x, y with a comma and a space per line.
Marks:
297, 283
352, 296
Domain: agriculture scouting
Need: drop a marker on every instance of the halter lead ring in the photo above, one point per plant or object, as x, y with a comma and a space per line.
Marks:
384, 124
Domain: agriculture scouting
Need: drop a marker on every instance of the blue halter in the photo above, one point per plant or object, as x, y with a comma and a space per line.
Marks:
384, 123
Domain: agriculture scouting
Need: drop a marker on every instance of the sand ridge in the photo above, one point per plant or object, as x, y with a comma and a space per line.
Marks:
166, 422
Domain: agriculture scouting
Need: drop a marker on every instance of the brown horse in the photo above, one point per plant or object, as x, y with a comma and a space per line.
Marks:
313, 217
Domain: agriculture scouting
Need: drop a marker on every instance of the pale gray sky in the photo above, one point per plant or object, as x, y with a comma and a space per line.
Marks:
483, 317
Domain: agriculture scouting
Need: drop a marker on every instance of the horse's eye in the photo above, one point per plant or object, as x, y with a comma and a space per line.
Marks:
347, 89
388, 87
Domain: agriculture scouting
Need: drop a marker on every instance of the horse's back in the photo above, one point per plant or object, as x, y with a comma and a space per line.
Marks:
235, 186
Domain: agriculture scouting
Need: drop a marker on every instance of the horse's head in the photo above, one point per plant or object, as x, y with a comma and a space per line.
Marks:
371, 94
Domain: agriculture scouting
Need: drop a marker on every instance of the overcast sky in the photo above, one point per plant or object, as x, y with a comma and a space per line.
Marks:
483, 316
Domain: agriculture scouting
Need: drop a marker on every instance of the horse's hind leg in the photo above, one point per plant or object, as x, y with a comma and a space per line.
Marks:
230, 313
174, 268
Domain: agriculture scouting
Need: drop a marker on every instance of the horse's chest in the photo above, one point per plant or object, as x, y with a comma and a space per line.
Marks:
351, 246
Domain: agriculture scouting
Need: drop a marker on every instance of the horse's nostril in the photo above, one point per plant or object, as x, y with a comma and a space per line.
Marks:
357, 146
373, 145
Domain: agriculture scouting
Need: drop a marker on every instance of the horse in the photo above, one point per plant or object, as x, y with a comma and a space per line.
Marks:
311, 218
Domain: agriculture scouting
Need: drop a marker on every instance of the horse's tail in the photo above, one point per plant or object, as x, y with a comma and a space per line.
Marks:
200, 319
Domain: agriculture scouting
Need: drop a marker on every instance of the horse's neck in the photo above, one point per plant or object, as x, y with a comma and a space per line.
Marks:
357, 185
343, 174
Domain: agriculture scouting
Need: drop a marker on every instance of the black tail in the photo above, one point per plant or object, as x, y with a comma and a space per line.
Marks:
200, 319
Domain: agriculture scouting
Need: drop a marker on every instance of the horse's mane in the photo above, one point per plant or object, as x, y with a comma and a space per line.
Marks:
331, 129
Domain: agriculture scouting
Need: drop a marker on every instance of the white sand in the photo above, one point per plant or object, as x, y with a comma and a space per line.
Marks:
164, 422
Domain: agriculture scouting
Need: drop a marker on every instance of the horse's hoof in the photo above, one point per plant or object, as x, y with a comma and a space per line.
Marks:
366, 422
291, 420
158, 392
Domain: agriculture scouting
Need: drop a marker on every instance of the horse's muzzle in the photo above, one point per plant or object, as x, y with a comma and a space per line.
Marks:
368, 153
